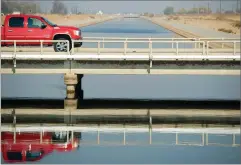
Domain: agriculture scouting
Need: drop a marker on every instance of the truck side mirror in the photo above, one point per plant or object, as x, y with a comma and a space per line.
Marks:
43, 26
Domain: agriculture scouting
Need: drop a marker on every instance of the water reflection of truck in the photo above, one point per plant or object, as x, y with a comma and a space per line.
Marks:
34, 146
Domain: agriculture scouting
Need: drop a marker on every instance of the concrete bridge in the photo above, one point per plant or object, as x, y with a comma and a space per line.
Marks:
182, 56
131, 16
161, 56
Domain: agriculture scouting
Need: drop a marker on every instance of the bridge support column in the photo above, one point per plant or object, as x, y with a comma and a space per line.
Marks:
70, 80
74, 92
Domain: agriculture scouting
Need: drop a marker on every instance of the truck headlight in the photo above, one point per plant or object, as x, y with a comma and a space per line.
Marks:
76, 32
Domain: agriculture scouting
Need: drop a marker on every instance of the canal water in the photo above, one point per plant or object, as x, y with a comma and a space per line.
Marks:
126, 86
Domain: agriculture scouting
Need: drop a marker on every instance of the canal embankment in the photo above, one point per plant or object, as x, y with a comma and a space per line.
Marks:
192, 30
189, 30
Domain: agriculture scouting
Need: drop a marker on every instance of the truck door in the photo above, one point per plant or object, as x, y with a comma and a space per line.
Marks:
15, 29
36, 31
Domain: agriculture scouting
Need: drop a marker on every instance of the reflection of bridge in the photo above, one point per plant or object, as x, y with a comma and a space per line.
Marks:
122, 115
125, 131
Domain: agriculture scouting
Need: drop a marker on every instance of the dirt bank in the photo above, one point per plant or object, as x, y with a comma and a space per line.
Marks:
78, 20
229, 23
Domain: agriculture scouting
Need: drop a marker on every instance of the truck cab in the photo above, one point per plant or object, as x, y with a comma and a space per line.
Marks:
31, 146
25, 27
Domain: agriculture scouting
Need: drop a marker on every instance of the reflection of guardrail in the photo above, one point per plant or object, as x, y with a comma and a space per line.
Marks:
124, 131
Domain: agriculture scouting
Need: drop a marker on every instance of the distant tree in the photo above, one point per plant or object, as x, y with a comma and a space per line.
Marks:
204, 10
29, 7
75, 10
65, 11
193, 10
58, 8
4, 7
8, 6
168, 10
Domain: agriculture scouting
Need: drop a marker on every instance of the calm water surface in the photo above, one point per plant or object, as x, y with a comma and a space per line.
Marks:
137, 150
126, 86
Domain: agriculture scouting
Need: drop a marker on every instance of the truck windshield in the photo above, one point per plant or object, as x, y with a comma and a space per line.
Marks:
50, 23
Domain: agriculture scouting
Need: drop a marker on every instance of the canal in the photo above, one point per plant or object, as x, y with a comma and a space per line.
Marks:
107, 147
179, 87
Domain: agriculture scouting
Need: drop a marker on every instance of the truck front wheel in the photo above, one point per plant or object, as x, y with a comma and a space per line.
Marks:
62, 46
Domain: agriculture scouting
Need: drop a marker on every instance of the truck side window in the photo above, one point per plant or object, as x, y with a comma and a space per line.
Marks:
16, 22
33, 155
14, 155
34, 23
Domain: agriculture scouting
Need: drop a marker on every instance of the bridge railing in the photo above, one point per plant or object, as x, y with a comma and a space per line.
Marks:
123, 53
156, 38
163, 39
233, 43
38, 46
126, 50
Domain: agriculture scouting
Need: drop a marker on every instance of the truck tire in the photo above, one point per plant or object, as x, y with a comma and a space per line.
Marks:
62, 46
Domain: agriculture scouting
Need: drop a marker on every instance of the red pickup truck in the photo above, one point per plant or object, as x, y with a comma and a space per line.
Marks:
32, 27
28, 147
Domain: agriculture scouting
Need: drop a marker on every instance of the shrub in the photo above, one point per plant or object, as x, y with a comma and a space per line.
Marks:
225, 30
220, 17
237, 24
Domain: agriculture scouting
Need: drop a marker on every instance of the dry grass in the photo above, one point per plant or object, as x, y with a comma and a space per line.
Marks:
210, 21
220, 17
173, 18
236, 24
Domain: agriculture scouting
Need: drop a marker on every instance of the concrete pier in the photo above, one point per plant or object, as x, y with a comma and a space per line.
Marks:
79, 93
74, 91
70, 81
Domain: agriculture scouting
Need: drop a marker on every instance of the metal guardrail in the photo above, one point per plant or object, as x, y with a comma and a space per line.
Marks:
156, 38
164, 39
149, 50
117, 54
203, 132
39, 42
